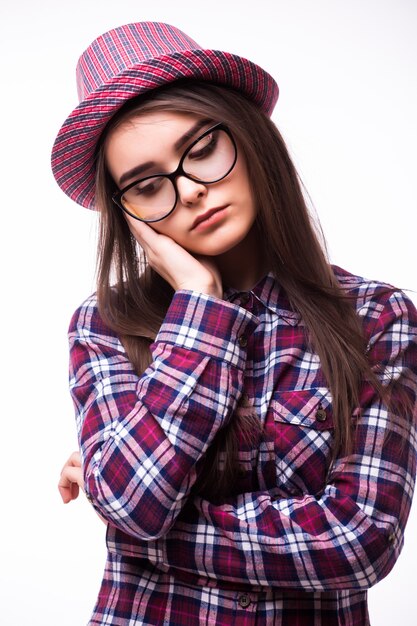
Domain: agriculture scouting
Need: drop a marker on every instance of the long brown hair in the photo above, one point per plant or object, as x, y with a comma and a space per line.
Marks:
133, 299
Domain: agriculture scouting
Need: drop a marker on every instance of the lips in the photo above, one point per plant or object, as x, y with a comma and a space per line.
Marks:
205, 216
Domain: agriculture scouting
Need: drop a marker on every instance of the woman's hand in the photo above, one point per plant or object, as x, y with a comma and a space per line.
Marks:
177, 266
71, 480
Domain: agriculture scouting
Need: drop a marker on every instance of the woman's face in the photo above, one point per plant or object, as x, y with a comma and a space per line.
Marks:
209, 219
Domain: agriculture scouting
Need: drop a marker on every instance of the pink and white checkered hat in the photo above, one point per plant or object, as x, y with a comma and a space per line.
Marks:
128, 61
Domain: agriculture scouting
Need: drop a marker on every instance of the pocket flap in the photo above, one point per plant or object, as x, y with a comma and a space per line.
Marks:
304, 407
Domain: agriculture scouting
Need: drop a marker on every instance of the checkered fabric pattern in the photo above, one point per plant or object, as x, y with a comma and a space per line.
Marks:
298, 541
130, 60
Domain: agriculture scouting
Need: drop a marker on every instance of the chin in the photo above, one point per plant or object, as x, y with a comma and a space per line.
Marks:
214, 249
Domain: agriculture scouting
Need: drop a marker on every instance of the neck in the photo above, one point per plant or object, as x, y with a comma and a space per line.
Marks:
244, 265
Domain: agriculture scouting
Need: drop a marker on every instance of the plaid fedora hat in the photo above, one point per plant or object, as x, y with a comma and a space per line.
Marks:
128, 61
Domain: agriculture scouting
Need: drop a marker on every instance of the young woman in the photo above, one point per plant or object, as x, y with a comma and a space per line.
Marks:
245, 410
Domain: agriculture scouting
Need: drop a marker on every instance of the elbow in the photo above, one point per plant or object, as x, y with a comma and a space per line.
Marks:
359, 561
383, 559
373, 561
141, 515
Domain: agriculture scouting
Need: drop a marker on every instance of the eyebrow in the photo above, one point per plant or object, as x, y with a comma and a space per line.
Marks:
190, 133
135, 171
138, 169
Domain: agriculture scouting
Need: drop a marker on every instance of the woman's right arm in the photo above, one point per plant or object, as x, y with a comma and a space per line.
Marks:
141, 437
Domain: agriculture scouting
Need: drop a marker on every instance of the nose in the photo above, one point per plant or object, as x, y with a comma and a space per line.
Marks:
190, 191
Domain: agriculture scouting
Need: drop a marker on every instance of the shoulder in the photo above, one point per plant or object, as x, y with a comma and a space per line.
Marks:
364, 289
87, 325
86, 316
375, 300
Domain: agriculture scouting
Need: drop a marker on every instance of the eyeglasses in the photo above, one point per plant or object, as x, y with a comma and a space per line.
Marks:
209, 159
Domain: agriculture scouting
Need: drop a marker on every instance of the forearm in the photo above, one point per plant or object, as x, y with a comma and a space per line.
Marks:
347, 533
270, 548
142, 437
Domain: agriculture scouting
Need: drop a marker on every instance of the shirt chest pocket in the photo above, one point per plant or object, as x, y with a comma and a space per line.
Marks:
299, 429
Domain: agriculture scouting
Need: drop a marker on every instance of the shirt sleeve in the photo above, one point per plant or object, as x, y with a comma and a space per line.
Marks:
141, 437
348, 537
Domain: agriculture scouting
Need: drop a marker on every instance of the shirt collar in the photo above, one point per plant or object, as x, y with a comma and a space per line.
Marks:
272, 296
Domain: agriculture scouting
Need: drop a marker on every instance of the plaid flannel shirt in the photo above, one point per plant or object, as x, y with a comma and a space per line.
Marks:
301, 539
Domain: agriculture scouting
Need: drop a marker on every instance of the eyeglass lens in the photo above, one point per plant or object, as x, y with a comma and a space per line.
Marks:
210, 159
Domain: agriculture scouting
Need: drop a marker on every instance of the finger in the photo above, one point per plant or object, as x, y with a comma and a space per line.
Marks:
143, 233
68, 489
72, 474
68, 492
74, 460
157, 247
70, 482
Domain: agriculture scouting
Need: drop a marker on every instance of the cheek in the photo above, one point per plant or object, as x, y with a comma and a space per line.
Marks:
168, 227
241, 183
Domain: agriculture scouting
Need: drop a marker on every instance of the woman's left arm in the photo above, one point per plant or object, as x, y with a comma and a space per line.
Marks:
350, 536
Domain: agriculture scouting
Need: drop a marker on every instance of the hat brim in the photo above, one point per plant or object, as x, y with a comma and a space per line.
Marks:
73, 153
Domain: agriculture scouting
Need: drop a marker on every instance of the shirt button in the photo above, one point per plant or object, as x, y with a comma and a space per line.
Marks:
243, 341
244, 298
321, 414
244, 601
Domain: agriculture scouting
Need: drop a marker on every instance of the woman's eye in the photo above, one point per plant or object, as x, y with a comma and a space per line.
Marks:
147, 188
204, 147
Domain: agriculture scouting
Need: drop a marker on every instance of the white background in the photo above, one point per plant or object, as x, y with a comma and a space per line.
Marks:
347, 75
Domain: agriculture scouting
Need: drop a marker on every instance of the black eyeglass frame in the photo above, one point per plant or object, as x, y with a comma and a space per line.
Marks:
117, 196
